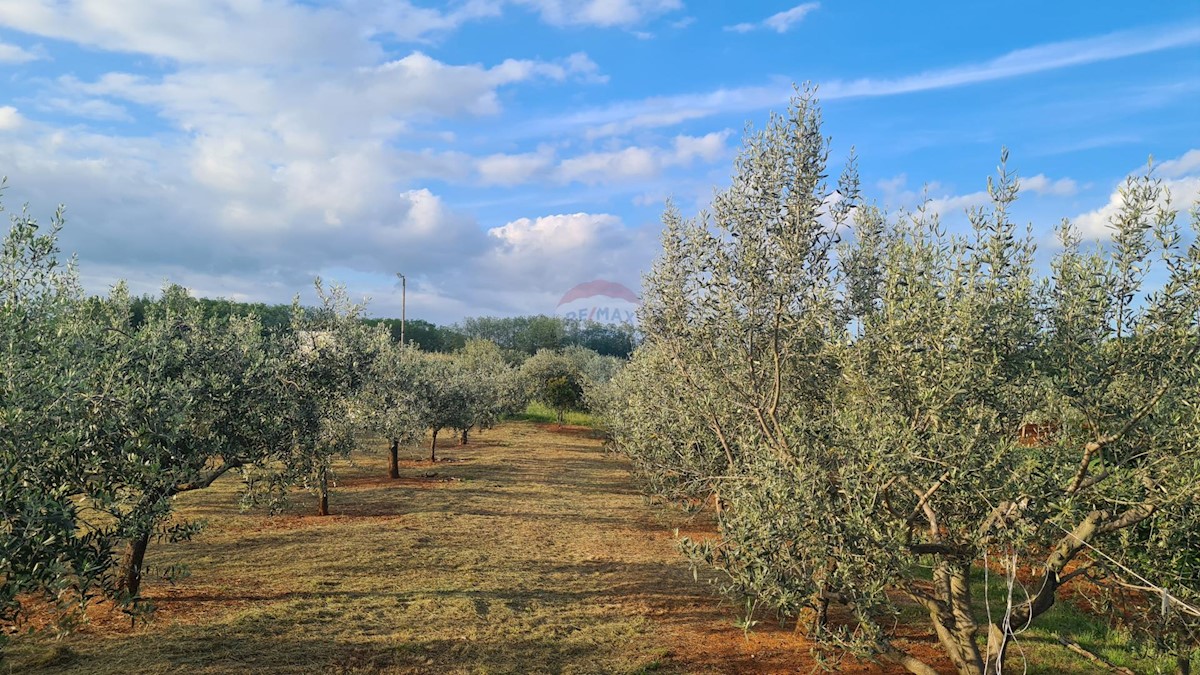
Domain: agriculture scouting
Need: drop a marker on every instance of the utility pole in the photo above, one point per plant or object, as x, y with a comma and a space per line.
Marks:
403, 304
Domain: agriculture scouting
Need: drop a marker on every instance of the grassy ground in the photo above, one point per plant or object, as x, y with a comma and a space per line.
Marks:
528, 551
539, 412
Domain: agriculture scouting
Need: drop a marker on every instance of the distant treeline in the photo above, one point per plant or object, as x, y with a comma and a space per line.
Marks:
520, 334
528, 334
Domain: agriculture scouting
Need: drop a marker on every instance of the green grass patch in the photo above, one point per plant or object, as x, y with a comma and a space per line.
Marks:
539, 412
1040, 646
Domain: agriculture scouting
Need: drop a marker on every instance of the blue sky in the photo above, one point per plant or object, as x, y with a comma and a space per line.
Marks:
501, 151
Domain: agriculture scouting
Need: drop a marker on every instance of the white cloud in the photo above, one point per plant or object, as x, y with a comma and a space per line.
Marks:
647, 121
541, 258
956, 204
1041, 185
286, 32
1052, 56
582, 66
625, 116
637, 162
130, 200
602, 167
503, 169
87, 108
783, 21
9, 118
14, 54
276, 178
893, 186
1180, 180
1185, 165
709, 147
405, 21
602, 13
937, 199
780, 22
292, 148
226, 31
553, 234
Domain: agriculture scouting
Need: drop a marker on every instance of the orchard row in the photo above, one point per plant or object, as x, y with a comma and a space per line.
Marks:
111, 407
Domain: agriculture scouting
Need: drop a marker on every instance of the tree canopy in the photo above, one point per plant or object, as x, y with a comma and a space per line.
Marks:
852, 385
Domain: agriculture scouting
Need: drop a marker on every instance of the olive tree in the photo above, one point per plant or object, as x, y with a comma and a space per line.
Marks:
46, 546
445, 393
391, 398
328, 358
858, 407
492, 388
554, 379
171, 404
652, 415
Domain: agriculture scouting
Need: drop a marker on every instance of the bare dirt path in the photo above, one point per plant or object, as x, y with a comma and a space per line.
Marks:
531, 552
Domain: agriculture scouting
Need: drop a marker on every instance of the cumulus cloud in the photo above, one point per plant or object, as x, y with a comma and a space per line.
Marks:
637, 162
549, 235
709, 148
954, 204
780, 22
227, 31
1041, 185
542, 257
276, 176
288, 142
14, 54
1181, 182
130, 201
1185, 165
271, 144
9, 118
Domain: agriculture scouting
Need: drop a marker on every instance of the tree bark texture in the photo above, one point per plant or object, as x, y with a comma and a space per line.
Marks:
132, 564
323, 494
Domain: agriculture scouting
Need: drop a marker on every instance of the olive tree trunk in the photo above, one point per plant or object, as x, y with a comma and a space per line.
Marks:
394, 459
433, 446
323, 493
132, 564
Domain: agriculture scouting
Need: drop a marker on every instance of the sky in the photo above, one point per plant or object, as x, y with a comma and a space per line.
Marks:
500, 152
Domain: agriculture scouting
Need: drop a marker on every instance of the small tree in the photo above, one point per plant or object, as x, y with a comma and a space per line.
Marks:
328, 362
492, 387
392, 400
555, 380
172, 404
445, 394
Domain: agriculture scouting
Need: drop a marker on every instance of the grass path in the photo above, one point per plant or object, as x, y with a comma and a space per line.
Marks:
528, 551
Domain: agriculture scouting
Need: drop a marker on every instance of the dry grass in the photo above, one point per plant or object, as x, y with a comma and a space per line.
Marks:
527, 551
537, 556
